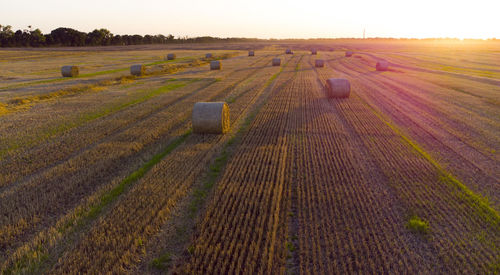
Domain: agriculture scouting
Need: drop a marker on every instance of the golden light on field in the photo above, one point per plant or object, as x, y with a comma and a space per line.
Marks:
148, 154
264, 19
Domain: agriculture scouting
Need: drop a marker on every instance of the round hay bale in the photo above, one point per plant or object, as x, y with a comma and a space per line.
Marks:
276, 62
382, 65
251, 53
320, 63
314, 52
338, 87
171, 56
210, 118
288, 51
70, 71
215, 65
348, 54
137, 70
208, 55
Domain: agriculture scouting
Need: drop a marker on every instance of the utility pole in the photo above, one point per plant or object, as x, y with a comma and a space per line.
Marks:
364, 33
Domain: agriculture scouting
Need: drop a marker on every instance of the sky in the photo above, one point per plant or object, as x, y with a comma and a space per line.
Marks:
262, 18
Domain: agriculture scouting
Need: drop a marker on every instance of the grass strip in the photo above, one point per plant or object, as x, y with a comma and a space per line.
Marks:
59, 79
32, 261
111, 195
84, 118
104, 72
478, 202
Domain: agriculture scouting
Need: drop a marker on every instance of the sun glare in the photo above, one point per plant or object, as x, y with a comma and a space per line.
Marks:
266, 19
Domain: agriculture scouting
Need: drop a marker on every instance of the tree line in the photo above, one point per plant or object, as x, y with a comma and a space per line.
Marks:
99, 37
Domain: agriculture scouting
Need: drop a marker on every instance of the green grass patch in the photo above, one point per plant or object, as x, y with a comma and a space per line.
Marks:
163, 262
418, 225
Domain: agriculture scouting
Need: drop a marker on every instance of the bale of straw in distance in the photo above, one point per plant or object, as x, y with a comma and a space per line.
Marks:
382, 65
171, 56
208, 55
70, 71
251, 53
348, 53
314, 51
319, 63
338, 87
210, 118
137, 70
276, 62
215, 65
288, 51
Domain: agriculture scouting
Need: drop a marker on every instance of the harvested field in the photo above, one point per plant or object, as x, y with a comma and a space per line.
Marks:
103, 172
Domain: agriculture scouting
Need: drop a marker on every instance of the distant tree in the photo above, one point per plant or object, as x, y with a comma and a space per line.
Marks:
98, 37
18, 39
159, 39
6, 36
147, 39
117, 40
37, 38
101, 37
49, 40
68, 37
136, 39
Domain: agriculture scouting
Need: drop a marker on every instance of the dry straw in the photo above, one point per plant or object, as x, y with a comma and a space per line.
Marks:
276, 62
319, 63
210, 118
70, 71
382, 65
137, 70
338, 87
215, 65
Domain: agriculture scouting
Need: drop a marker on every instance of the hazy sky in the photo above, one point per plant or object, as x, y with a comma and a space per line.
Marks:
262, 18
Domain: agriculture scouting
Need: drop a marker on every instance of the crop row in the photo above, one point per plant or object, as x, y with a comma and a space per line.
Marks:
38, 202
118, 240
443, 128
423, 188
244, 227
